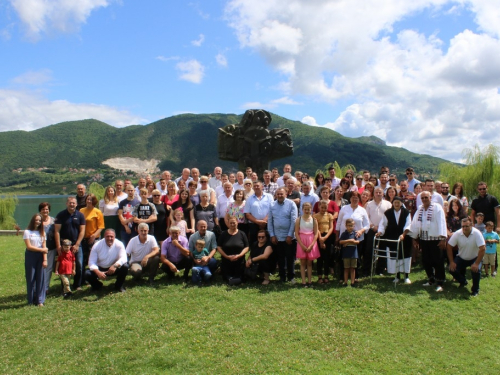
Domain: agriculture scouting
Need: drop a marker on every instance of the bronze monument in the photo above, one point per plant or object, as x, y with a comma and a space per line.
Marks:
252, 144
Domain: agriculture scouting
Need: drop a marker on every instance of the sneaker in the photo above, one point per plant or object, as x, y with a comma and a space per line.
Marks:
428, 283
439, 289
395, 281
293, 281
474, 294
494, 273
407, 281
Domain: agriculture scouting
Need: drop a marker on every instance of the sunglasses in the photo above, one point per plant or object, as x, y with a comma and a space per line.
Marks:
481, 189
392, 179
261, 236
409, 173
156, 195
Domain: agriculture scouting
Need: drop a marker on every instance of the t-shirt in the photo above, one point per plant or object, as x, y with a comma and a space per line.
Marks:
66, 260
233, 244
349, 251
127, 207
144, 211
491, 248
323, 221
35, 238
486, 205
200, 254
70, 224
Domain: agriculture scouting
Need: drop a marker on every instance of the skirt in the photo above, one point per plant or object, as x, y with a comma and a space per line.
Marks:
307, 238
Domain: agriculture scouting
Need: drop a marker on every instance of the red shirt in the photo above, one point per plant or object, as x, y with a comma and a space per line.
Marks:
66, 260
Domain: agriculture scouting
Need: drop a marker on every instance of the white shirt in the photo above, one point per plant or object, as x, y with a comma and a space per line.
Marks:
108, 209
468, 247
138, 250
436, 227
359, 216
237, 186
214, 182
383, 223
221, 206
376, 211
219, 190
436, 198
104, 256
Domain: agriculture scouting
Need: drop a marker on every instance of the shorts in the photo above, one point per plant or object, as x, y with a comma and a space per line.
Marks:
350, 262
489, 259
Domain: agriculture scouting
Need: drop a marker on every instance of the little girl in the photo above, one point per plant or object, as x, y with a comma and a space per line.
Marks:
179, 221
306, 233
325, 241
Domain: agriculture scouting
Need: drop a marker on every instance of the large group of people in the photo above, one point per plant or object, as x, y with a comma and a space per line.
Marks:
261, 225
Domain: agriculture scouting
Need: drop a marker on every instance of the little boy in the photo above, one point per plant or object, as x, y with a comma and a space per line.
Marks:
200, 272
66, 267
491, 238
349, 251
480, 222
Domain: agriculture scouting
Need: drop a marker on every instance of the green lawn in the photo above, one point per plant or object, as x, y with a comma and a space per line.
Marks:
182, 329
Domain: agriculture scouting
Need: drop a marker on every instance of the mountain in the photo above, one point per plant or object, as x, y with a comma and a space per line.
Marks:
190, 140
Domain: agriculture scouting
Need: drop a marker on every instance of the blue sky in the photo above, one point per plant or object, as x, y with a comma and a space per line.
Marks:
424, 75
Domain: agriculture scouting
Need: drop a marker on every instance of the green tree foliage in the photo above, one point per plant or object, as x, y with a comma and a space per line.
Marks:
97, 190
7, 207
481, 165
339, 171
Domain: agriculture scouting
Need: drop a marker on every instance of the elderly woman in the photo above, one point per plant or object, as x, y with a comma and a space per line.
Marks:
48, 227
35, 260
205, 211
207, 189
109, 208
94, 224
247, 184
236, 209
232, 246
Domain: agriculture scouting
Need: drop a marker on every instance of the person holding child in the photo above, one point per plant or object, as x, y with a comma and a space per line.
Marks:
349, 242
66, 267
306, 233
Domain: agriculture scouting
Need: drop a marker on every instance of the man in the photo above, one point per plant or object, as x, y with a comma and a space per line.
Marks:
216, 180
335, 180
287, 168
435, 197
126, 215
167, 176
291, 193
268, 186
428, 228
445, 192
256, 211
307, 196
248, 172
366, 177
223, 201
375, 209
107, 259
281, 228
185, 176
140, 185
275, 173
411, 180
195, 176
232, 178
144, 254
220, 189
254, 177
69, 224
121, 195
383, 181
471, 249
175, 254
487, 204
409, 198
437, 186
210, 244
298, 175
81, 197
163, 187
144, 211
239, 184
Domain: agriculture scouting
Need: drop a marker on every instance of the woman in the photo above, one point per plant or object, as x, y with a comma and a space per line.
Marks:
332, 206
417, 189
48, 227
193, 194
361, 223
35, 260
374, 180
181, 185
390, 193
109, 208
339, 197
366, 196
188, 210
305, 178
319, 181
370, 187
247, 184
345, 185
458, 191
236, 209
94, 224
454, 218
232, 246
260, 251
350, 177
205, 188
171, 197
162, 218
150, 185
205, 211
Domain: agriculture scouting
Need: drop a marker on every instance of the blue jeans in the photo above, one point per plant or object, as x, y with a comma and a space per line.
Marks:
127, 237
200, 273
458, 274
80, 269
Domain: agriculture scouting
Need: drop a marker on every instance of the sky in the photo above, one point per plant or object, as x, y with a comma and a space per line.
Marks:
420, 74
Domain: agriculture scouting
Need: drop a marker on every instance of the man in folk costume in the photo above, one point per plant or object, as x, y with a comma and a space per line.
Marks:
428, 228
395, 224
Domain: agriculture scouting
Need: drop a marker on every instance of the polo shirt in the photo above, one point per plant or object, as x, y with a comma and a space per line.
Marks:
138, 250
468, 247
70, 224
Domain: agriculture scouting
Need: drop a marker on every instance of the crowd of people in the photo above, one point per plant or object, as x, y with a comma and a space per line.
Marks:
260, 225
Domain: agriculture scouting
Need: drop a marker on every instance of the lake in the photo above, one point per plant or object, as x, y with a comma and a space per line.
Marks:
28, 206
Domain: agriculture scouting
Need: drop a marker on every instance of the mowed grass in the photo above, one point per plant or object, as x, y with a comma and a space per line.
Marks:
251, 329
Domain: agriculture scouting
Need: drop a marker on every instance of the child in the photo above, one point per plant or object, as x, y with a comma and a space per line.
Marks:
480, 222
306, 233
491, 238
200, 272
66, 267
179, 221
349, 251
325, 230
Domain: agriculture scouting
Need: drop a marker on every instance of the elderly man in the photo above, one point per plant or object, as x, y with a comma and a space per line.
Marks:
175, 254
471, 249
167, 176
428, 228
210, 244
223, 201
291, 193
81, 197
257, 210
144, 254
69, 224
141, 184
287, 168
239, 184
185, 176
216, 180
107, 259
281, 228
195, 176
220, 189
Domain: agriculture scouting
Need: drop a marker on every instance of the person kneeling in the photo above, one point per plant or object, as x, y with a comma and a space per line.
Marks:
144, 254
258, 262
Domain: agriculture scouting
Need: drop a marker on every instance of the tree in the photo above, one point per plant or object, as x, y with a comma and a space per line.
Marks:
7, 208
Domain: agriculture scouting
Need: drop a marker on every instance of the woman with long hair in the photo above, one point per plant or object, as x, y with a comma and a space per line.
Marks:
390, 194
35, 260
187, 209
48, 227
319, 182
109, 208
458, 191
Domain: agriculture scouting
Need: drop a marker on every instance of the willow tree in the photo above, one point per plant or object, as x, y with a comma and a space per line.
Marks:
480, 165
339, 171
97, 190
8, 206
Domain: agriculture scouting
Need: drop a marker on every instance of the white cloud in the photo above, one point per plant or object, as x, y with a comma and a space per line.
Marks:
26, 110
34, 78
405, 87
198, 42
165, 59
221, 60
43, 16
271, 104
191, 71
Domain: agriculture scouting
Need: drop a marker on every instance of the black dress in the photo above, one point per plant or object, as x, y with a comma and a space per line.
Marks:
160, 225
232, 245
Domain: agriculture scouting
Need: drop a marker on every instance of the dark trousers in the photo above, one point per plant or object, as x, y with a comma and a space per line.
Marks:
120, 274
35, 277
286, 259
433, 261
459, 273
127, 237
184, 264
253, 229
368, 256
323, 265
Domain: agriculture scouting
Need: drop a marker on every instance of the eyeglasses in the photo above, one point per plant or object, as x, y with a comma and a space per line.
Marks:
156, 195
444, 187
261, 236
204, 182
392, 179
359, 179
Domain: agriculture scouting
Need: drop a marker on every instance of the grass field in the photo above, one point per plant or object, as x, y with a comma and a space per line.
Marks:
180, 329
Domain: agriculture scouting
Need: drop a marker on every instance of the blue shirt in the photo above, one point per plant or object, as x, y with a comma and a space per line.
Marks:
412, 183
281, 220
258, 207
311, 198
